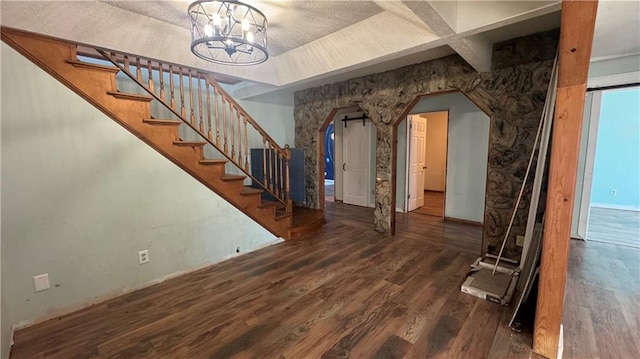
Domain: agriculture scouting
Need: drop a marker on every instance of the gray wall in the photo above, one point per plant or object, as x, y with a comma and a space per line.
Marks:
617, 66
467, 151
81, 196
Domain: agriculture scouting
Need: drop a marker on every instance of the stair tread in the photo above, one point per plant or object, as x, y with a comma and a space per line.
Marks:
89, 65
130, 96
155, 121
189, 143
212, 162
233, 177
266, 203
282, 215
251, 191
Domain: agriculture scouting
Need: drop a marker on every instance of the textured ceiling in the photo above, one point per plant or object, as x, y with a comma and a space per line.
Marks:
316, 42
291, 23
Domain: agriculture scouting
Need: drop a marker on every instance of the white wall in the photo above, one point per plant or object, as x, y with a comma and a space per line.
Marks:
620, 65
436, 151
467, 155
274, 117
81, 196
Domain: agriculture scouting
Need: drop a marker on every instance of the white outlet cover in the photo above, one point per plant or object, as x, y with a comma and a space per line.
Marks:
143, 256
41, 282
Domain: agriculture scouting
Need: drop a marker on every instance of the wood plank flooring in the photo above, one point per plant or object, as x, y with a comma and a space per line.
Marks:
347, 291
602, 302
614, 226
433, 204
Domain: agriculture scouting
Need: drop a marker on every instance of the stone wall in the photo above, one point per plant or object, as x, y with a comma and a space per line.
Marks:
512, 93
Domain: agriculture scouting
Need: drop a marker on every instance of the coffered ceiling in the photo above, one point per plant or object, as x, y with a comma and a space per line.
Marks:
316, 42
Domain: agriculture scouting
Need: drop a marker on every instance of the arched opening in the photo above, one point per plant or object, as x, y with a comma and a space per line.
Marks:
467, 145
342, 128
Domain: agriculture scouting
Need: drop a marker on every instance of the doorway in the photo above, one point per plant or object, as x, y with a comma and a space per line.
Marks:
427, 158
329, 163
613, 198
457, 190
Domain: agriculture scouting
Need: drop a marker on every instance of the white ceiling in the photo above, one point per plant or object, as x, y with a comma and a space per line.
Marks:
317, 42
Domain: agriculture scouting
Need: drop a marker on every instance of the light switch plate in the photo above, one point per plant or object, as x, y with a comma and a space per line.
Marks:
41, 282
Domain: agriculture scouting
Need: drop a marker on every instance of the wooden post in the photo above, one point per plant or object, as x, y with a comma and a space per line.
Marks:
183, 111
576, 37
150, 72
172, 88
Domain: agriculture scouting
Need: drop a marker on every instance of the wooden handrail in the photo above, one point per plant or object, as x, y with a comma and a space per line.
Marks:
200, 122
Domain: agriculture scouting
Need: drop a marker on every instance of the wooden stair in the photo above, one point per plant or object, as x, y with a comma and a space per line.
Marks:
97, 85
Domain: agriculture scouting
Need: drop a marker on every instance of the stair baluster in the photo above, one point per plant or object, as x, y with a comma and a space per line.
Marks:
193, 117
209, 130
150, 75
172, 88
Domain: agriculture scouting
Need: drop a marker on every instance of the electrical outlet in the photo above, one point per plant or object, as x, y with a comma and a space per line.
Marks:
41, 282
613, 192
143, 256
519, 241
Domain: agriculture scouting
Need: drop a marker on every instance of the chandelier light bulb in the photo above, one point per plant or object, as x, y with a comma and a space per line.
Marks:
245, 25
216, 20
250, 36
208, 30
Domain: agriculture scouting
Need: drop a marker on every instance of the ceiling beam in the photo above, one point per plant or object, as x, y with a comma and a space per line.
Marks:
441, 19
576, 38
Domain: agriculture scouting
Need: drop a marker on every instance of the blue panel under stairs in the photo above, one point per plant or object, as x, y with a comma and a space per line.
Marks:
296, 172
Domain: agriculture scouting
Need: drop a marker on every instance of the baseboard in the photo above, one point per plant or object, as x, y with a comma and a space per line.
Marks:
460, 220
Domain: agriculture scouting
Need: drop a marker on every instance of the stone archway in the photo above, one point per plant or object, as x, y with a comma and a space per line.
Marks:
513, 93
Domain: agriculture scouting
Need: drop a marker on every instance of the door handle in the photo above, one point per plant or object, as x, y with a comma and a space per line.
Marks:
343, 166
424, 167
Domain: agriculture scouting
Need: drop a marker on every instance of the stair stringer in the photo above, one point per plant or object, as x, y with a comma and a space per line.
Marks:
97, 85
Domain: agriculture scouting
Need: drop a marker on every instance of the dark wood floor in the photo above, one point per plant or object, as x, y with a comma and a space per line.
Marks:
602, 302
614, 226
433, 204
345, 291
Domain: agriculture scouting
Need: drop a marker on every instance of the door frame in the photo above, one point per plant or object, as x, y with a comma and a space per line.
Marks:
394, 153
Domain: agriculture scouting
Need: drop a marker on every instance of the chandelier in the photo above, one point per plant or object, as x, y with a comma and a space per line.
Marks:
228, 32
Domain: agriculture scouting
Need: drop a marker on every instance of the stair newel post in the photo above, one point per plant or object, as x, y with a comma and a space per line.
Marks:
246, 145
138, 70
172, 88
200, 103
183, 111
287, 190
276, 172
264, 163
271, 164
282, 184
233, 134
217, 116
193, 117
150, 73
210, 131
161, 71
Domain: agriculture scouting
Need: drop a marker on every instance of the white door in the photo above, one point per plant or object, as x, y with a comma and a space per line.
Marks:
356, 157
417, 138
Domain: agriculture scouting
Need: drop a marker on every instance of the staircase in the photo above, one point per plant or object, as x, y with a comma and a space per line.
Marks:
199, 118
